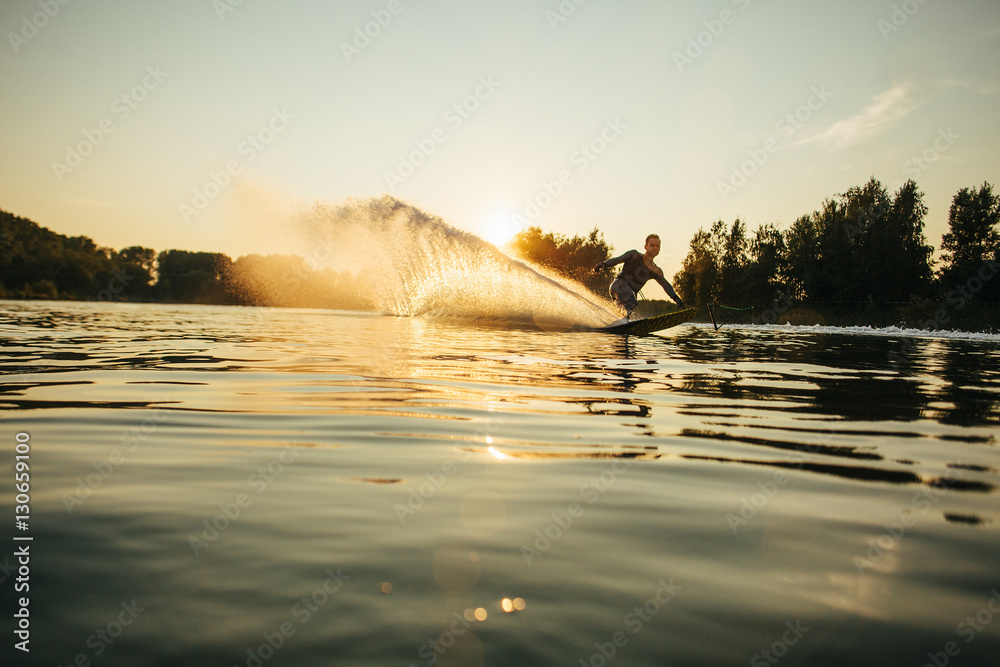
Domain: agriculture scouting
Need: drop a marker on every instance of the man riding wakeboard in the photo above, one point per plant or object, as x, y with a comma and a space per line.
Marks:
638, 269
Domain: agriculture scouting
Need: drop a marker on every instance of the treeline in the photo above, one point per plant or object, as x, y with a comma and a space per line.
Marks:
861, 259
862, 256
36, 263
572, 257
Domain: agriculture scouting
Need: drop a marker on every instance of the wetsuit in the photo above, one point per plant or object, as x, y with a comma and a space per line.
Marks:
633, 275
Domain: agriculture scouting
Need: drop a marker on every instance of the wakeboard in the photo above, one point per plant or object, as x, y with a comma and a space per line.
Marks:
649, 325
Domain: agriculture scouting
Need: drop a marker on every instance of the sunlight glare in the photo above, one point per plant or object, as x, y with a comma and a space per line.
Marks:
500, 229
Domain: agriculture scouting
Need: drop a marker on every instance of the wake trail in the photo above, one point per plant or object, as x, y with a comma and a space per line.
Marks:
414, 264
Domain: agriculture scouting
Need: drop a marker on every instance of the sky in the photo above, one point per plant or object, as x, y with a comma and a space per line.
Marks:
203, 125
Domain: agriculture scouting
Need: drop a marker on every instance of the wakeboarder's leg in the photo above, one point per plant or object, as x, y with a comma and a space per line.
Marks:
624, 295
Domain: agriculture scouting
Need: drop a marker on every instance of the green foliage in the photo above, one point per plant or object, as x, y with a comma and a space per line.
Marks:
36, 263
41, 289
724, 265
697, 281
863, 245
574, 257
137, 267
766, 273
192, 277
972, 243
733, 262
884, 256
802, 260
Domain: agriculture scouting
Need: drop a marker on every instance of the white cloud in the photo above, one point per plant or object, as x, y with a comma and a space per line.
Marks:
976, 86
882, 113
989, 88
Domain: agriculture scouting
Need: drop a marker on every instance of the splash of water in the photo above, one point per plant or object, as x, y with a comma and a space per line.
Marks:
415, 264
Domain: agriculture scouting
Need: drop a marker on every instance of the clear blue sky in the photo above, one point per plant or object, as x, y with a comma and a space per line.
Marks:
675, 101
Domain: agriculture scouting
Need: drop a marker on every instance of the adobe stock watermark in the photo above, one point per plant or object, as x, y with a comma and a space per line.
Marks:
229, 512
106, 467
899, 17
435, 647
7, 569
750, 507
102, 638
914, 167
223, 7
363, 35
963, 294
958, 297
591, 491
635, 621
782, 304
779, 649
322, 251
921, 162
302, 611
584, 156
785, 129
700, 42
436, 479
248, 149
31, 26
865, 220
121, 108
456, 116
921, 502
424, 491
968, 629
562, 13
757, 501
116, 285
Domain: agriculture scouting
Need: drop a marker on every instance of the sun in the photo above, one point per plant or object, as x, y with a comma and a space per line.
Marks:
499, 229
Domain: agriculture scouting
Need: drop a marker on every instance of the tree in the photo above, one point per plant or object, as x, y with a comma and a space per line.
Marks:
135, 268
903, 266
973, 241
863, 245
733, 261
767, 268
697, 281
716, 266
885, 257
192, 277
574, 257
38, 263
858, 234
804, 268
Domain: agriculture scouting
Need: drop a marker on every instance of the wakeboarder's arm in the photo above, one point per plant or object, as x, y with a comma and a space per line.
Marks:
614, 261
668, 289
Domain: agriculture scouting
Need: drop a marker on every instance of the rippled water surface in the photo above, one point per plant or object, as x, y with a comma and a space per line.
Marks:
233, 486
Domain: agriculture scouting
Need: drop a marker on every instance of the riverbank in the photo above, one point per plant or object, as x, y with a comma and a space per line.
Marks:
955, 316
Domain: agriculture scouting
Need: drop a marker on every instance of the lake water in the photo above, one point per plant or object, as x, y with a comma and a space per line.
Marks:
233, 486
